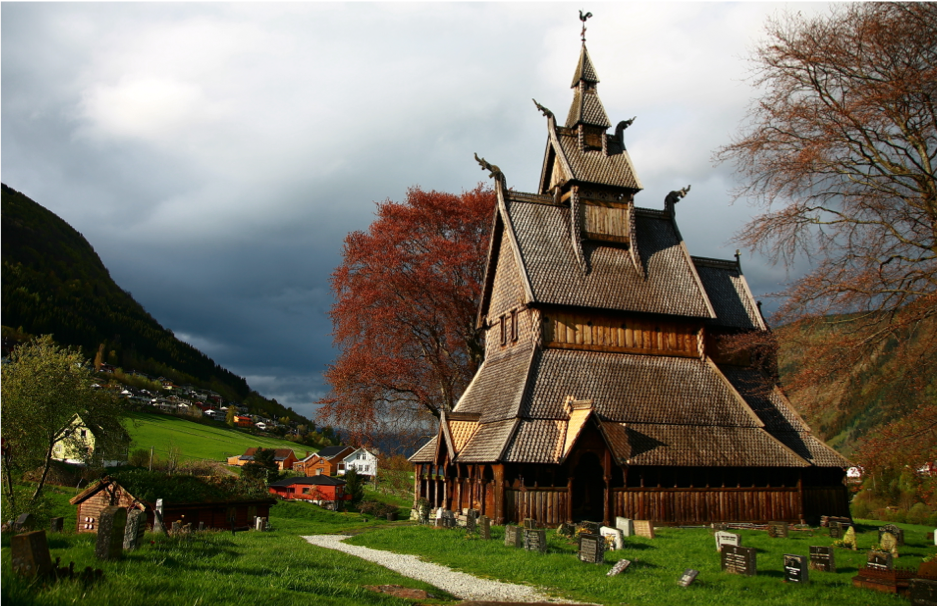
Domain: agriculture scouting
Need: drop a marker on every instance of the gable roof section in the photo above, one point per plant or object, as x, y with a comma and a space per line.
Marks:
549, 260
489, 442
330, 452
497, 389
426, 453
595, 166
729, 294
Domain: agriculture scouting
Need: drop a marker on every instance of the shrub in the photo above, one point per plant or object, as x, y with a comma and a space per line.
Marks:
139, 457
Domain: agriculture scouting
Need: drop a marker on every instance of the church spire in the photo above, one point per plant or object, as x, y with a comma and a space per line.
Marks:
587, 108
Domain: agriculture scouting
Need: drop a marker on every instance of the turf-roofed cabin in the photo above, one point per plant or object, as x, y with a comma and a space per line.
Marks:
604, 391
187, 499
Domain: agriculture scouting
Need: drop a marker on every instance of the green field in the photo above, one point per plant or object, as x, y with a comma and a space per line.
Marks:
214, 442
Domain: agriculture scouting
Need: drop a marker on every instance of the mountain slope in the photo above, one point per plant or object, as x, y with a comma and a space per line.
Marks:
54, 283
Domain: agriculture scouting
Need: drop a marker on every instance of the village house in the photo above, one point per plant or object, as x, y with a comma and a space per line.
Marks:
83, 445
606, 390
321, 490
361, 460
327, 462
285, 458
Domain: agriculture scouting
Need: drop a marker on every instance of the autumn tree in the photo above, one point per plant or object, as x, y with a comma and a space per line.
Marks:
839, 150
407, 293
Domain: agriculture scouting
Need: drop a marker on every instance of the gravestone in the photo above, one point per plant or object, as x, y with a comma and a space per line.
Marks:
535, 539
484, 523
836, 530
795, 569
619, 567
625, 526
849, 539
260, 524
201, 526
513, 536
23, 523
739, 560
56, 524
779, 529
934, 535
889, 543
29, 554
592, 548
894, 531
530, 523
923, 592
644, 528
133, 531
727, 538
158, 525
618, 540
470, 522
566, 530
822, 559
110, 545
689, 575
590, 527
177, 527
461, 520
880, 560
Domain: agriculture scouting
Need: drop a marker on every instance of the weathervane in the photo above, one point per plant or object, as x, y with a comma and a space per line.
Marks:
583, 17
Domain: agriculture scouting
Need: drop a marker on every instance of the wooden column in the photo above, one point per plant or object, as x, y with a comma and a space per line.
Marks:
569, 500
800, 490
498, 513
607, 476
417, 483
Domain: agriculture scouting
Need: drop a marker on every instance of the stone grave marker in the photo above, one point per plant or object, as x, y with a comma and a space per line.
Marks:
644, 528
484, 523
530, 523
29, 554
894, 531
779, 529
727, 538
619, 567
177, 527
201, 526
738, 560
566, 530
625, 526
110, 545
618, 540
795, 569
689, 575
158, 525
133, 531
470, 522
591, 527
923, 592
592, 548
535, 539
934, 535
23, 522
822, 559
836, 530
56, 524
880, 560
513, 536
461, 520
849, 539
889, 543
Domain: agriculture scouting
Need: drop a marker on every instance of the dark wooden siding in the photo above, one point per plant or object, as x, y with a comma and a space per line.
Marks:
627, 335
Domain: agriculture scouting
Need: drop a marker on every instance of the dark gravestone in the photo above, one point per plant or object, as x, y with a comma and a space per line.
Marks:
484, 523
470, 522
836, 530
566, 530
777, 529
739, 560
133, 532
822, 559
619, 567
535, 539
795, 569
530, 523
512, 536
110, 545
592, 548
590, 527
894, 530
880, 560
689, 575
177, 527
201, 526
23, 522
56, 524
923, 592
29, 554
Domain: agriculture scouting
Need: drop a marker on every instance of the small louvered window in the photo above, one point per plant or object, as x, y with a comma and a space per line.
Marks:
514, 325
504, 334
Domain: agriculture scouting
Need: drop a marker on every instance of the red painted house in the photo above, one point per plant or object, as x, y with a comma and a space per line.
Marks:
321, 490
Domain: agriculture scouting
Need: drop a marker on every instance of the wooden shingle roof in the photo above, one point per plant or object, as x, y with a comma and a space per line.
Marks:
596, 166
426, 453
729, 294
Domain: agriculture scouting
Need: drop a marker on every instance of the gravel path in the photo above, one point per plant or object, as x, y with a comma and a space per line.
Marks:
459, 584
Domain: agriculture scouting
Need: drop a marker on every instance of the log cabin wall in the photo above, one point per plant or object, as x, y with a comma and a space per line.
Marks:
89, 510
595, 332
707, 505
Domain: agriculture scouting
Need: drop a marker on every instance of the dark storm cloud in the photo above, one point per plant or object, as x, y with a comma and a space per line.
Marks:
215, 155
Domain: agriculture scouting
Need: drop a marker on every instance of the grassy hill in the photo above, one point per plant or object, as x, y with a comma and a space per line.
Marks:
196, 440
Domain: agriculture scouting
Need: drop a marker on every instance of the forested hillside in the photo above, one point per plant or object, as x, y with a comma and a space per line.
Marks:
53, 282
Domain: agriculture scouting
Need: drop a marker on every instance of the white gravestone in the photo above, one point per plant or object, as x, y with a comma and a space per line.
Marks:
619, 541
727, 538
625, 526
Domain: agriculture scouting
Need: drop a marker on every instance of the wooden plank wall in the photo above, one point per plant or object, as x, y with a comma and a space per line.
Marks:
606, 221
604, 333
705, 505
546, 505
822, 499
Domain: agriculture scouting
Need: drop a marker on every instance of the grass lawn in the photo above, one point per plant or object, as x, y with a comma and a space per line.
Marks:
196, 440
657, 565
248, 568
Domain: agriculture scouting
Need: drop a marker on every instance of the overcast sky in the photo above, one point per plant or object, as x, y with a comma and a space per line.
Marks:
215, 155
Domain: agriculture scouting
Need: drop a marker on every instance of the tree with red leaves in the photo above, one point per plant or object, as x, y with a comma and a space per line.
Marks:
407, 294
841, 152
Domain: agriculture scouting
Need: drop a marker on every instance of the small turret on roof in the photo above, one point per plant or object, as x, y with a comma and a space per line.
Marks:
586, 108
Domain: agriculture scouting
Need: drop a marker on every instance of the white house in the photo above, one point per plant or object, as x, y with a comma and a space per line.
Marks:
362, 460
81, 445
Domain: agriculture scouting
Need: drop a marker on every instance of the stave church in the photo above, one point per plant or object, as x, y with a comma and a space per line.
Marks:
607, 389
